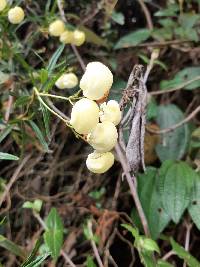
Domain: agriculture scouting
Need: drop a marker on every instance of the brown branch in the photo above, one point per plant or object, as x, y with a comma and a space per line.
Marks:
94, 247
180, 86
177, 125
147, 14
187, 238
130, 179
13, 179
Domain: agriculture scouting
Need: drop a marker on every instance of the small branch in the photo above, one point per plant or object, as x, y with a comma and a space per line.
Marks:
168, 255
13, 179
62, 252
147, 14
187, 238
177, 125
94, 247
75, 50
176, 88
133, 189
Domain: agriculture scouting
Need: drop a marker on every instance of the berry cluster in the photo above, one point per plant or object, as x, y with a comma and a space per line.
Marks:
97, 123
57, 29
15, 14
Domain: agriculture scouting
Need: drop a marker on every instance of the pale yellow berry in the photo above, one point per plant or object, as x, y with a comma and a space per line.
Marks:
3, 4
67, 81
104, 137
16, 15
110, 111
78, 38
96, 81
84, 116
99, 162
56, 28
67, 37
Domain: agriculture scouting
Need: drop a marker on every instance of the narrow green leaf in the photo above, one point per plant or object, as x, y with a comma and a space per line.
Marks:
37, 262
5, 132
134, 231
12, 247
7, 156
33, 253
175, 189
22, 100
46, 118
149, 244
92, 37
53, 236
174, 144
162, 263
183, 254
133, 39
54, 59
39, 135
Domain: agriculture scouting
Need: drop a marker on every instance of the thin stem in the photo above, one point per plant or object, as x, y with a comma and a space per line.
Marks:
62, 252
54, 96
147, 14
177, 125
47, 107
168, 255
94, 247
154, 56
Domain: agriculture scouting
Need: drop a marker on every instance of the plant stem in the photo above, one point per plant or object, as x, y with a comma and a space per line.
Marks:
47, 107
133, 188
94, 247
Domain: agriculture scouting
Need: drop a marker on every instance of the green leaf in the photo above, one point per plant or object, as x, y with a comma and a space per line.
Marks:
7, 156
92, 37
183, 254
53, 236
39, 136
46, 118
33, 253
175, 188
12, 247
133, 39
54, 59
22, 100
188, 20
90, 262
170, 11
194, 208
152, 109
174, 144
118, 17
148, 244
147, 260
37, 262
181, 77
36, 205
5, 132
134, 231
148, 190
162, 263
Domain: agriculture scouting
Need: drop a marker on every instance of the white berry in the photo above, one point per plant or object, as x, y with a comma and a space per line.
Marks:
67, 81
16, 15
99, 162
56, 28
96, 81
84, 116
110, 111
104, 136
